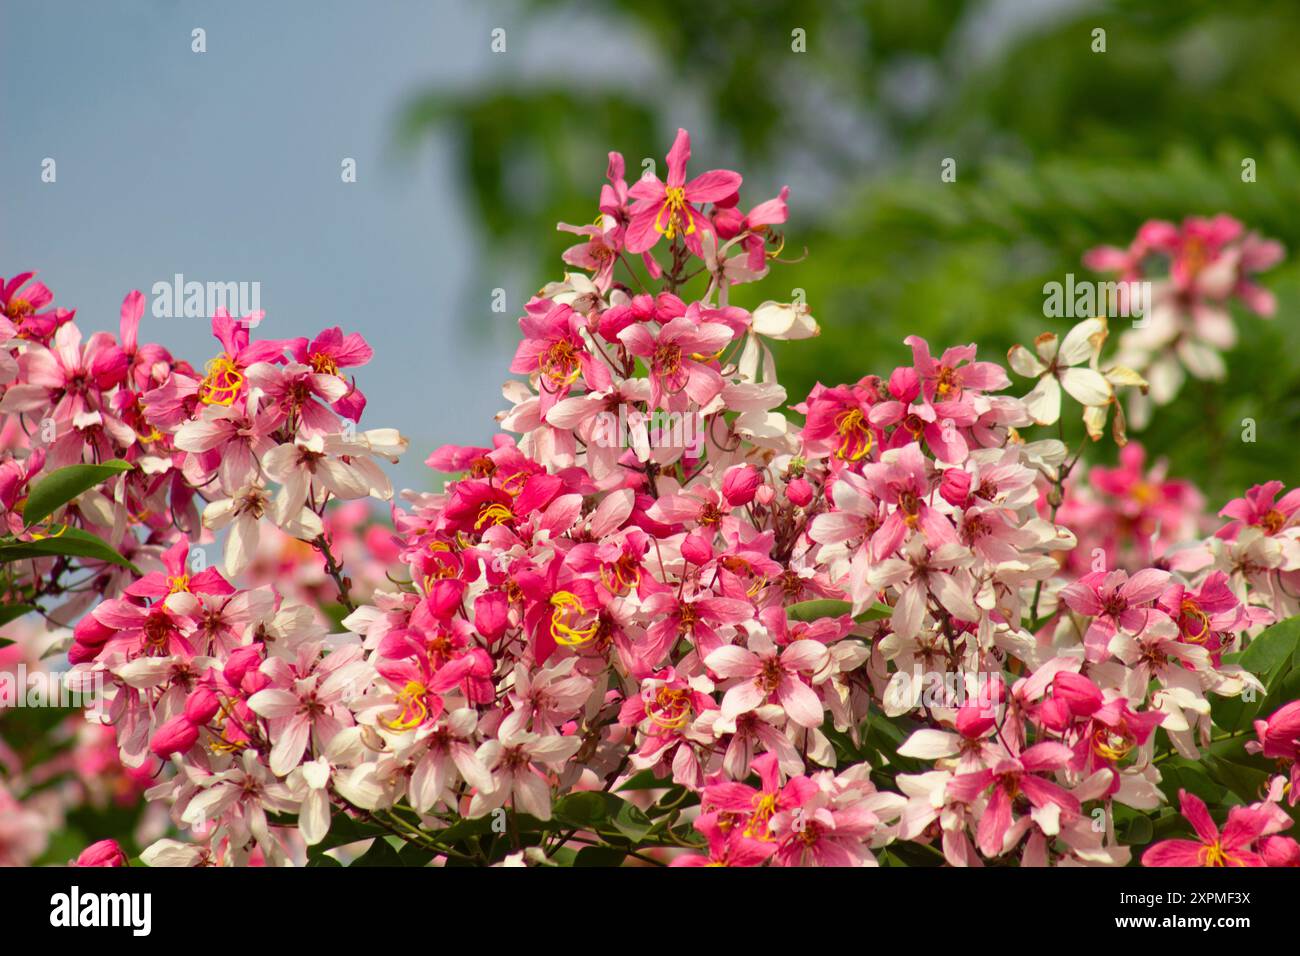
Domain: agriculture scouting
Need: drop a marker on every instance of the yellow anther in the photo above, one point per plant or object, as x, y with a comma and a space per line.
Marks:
494, 513
855, 435
221, 382
569, 610
675, 206
415, 710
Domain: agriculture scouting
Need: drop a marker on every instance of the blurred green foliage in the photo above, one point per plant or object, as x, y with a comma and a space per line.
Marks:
1058, 148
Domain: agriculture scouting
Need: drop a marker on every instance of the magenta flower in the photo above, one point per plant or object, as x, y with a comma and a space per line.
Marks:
1231, 847
900, 478
554, 350
682, 359
1010, 779
21, 303
331, 351
765, 675
1115, 602
665, 209
728, 846
102, 853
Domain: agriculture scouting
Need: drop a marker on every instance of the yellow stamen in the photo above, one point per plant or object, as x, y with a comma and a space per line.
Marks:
855, 435
1111, 745
1143, 493
670, 709
560, 364
494, 513
221, 383
675, 206
568, 611
323, 364
414, 708
1190, 610
1214, 854
54, 531
759, 825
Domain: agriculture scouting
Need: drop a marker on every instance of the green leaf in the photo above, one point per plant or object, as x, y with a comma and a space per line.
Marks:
63, 484
877, 612
585, 808
816, 610
72, 542
599, 856
1182, 774
343, 830
1138, 832
631, 822
415, 855
1271, 649
11, 612
645, 780
1246, 782
381, 853
463, 829
1233, 713
828, 607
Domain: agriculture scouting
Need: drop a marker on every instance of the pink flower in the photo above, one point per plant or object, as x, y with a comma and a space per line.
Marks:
901, 479
1114, 601
752, 809
728, 846
331, 351
102, 853
515, 759
176, 577
1232, 847
1260, 509
307, 701
21, 304
681, 358
762, 674
1010, 778
664, 209
554, 350
224, 380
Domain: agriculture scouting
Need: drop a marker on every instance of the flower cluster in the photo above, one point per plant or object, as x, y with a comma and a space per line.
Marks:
1195, 270
864, 636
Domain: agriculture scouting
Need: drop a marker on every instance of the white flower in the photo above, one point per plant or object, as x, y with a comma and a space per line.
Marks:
788, 321
1055, 362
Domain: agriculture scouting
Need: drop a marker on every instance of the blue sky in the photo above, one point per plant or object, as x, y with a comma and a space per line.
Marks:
225, 166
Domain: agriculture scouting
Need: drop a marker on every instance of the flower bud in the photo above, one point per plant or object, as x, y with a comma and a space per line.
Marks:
800, 492
974, 721
176, 736
79, 653
202, 706
1081, 695
904, 383
739, 484
240, 661
491, 614
102, 853
91, 632
954, 487
697, 548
